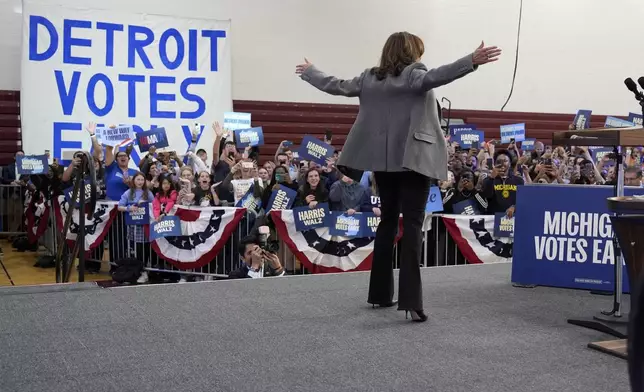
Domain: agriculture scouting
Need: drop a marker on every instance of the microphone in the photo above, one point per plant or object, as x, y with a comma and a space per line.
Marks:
641, 81
630, 84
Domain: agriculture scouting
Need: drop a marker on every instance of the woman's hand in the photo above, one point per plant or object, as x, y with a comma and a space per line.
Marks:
376, 211
351, 211
483, 55
219, 131
313, 204
309, 199
300, 69
91, 128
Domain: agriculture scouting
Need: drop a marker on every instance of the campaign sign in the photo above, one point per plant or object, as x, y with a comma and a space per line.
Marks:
236, 120
249, 201
138, 216
614, 122
582, 119
561, 242
31, 164
313, 149
249, 137
281, 199
598, 153
169, 226
346, 225
466, 207
465, 139
512, 131
503, 225
635, 118
454, 129
115, 136
370, 224
153, 138
86, 187
434, 200
528, 144
307, 218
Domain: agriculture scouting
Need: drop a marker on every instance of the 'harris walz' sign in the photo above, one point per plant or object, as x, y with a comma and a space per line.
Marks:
315, 150
307, 218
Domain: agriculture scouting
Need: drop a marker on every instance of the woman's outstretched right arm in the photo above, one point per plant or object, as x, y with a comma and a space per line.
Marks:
329, 84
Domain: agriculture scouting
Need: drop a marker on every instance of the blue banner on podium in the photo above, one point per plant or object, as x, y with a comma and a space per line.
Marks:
562, 242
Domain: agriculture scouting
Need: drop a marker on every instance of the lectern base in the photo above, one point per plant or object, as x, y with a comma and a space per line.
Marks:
616, 348
611, 318
599, 326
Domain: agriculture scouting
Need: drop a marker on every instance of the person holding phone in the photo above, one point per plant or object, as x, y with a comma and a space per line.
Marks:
397, 135
500, 187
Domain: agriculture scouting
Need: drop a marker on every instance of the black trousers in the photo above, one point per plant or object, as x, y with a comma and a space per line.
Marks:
404, 192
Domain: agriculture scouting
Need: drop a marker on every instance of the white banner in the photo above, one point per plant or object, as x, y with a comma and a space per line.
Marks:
81, 65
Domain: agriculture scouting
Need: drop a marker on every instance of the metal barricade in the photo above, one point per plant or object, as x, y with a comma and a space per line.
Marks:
130, 242
12, 208
125, 241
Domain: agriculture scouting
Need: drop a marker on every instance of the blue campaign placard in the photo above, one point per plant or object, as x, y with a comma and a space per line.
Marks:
249, 201
503, 225
153, 138
86, 187
370, 225
466, 138
528, 144
466, 207
562, 242
434, 200
598, 153
454, 129
315, 150
582, 119
249, 137
236, 120
31, 164
281, 199
140, 216
635, 118
614, 122
345, 225
169, 226
307, 218
512, 131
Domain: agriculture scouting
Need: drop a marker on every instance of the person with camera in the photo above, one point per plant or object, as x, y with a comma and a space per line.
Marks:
258, 259
500, 187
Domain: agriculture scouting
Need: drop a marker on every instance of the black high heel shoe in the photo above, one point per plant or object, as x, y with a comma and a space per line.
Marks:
384, 304
416, 315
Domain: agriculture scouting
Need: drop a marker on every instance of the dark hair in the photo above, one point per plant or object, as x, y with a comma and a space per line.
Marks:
503, 151
401, 50
162, 178
201, 150
248, 240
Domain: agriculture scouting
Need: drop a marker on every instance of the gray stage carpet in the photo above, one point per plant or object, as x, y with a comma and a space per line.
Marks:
309, 333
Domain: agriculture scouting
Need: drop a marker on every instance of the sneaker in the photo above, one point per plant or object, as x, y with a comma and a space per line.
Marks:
143, 278
183, 280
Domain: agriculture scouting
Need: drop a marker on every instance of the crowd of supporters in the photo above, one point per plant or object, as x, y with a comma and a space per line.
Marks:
220, 176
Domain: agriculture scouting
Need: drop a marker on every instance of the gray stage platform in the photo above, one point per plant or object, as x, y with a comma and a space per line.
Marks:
309, 333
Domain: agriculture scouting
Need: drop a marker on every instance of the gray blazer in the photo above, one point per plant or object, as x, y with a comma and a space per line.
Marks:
397, 127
